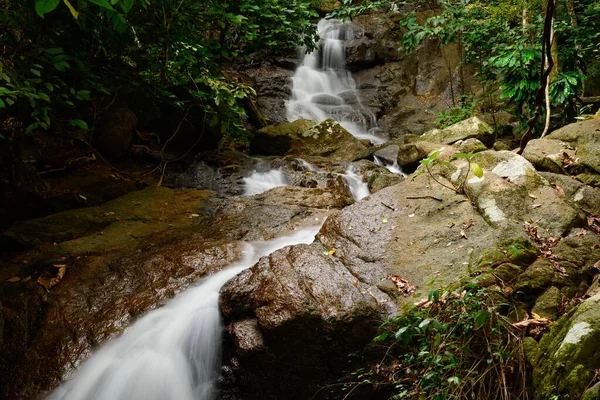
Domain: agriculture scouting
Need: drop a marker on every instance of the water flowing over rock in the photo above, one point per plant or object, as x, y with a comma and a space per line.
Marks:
173, 352
323, 88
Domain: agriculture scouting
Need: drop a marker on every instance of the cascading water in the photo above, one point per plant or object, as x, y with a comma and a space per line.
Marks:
259, 182
323, 88
358, 188
393, 168
172, 353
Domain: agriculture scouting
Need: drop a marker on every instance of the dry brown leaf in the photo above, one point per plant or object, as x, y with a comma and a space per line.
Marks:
467, 224
402, 284
49, 282
14, 279
558, 189
531, 322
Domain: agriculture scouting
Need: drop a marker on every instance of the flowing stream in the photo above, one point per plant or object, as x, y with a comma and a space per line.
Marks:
259, 182
172, 353
323, 88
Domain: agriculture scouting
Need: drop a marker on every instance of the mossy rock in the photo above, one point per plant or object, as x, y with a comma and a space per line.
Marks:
518, 251
463, 130
537, 277
325, 6
569, 353
548, 303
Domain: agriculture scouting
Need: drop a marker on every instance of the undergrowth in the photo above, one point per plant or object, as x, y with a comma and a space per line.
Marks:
457, 345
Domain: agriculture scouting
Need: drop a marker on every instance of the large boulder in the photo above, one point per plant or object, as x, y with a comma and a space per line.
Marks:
467, 129
304, 138
297, 313
572, 149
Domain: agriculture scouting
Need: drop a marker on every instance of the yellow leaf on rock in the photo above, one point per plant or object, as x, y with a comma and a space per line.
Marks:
384, 220
331, 252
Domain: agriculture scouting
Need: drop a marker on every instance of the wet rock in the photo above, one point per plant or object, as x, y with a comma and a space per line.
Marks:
375, 176
469, 128
388, 153
305, 197
123, 259
277, 140
273, 86
410, 154
115, 139
301, 297
569, 354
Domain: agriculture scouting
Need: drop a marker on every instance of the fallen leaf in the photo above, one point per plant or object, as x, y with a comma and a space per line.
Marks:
536, 206
532, 196
331, 252
14, 279
108, 214
463, 234
558, 189
27, 279
411, 215
384, 220
49, 282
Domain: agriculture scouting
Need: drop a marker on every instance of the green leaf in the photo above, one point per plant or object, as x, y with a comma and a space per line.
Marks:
127, 5
2, 103
35, 72
103, 4
43, 96
79, 123
480, 318
83, 95
477, 170
74, 12
45, 6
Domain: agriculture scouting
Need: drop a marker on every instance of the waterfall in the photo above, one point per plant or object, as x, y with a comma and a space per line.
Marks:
259, 182
306, 166
393, 168
358, 188
172, 353
323, 88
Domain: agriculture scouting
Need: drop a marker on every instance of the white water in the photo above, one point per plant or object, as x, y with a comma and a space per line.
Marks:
393, 168
172, 353
323, 88
358, 188
259, 182
306, 166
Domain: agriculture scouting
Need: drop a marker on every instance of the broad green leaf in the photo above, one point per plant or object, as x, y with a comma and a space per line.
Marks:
43, 96
79, 123
480, 318
74, 12
477, 170
83, 95
127, 5
2, 103
35, 72
103, 4
45, 6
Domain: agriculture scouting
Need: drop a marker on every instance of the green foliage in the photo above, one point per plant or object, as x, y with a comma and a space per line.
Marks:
70, 65
432, 160
353, 8
458, 345
456, 114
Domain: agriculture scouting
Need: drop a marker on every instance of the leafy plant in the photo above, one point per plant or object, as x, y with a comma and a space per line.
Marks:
432, 160
457, 345
456, 114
